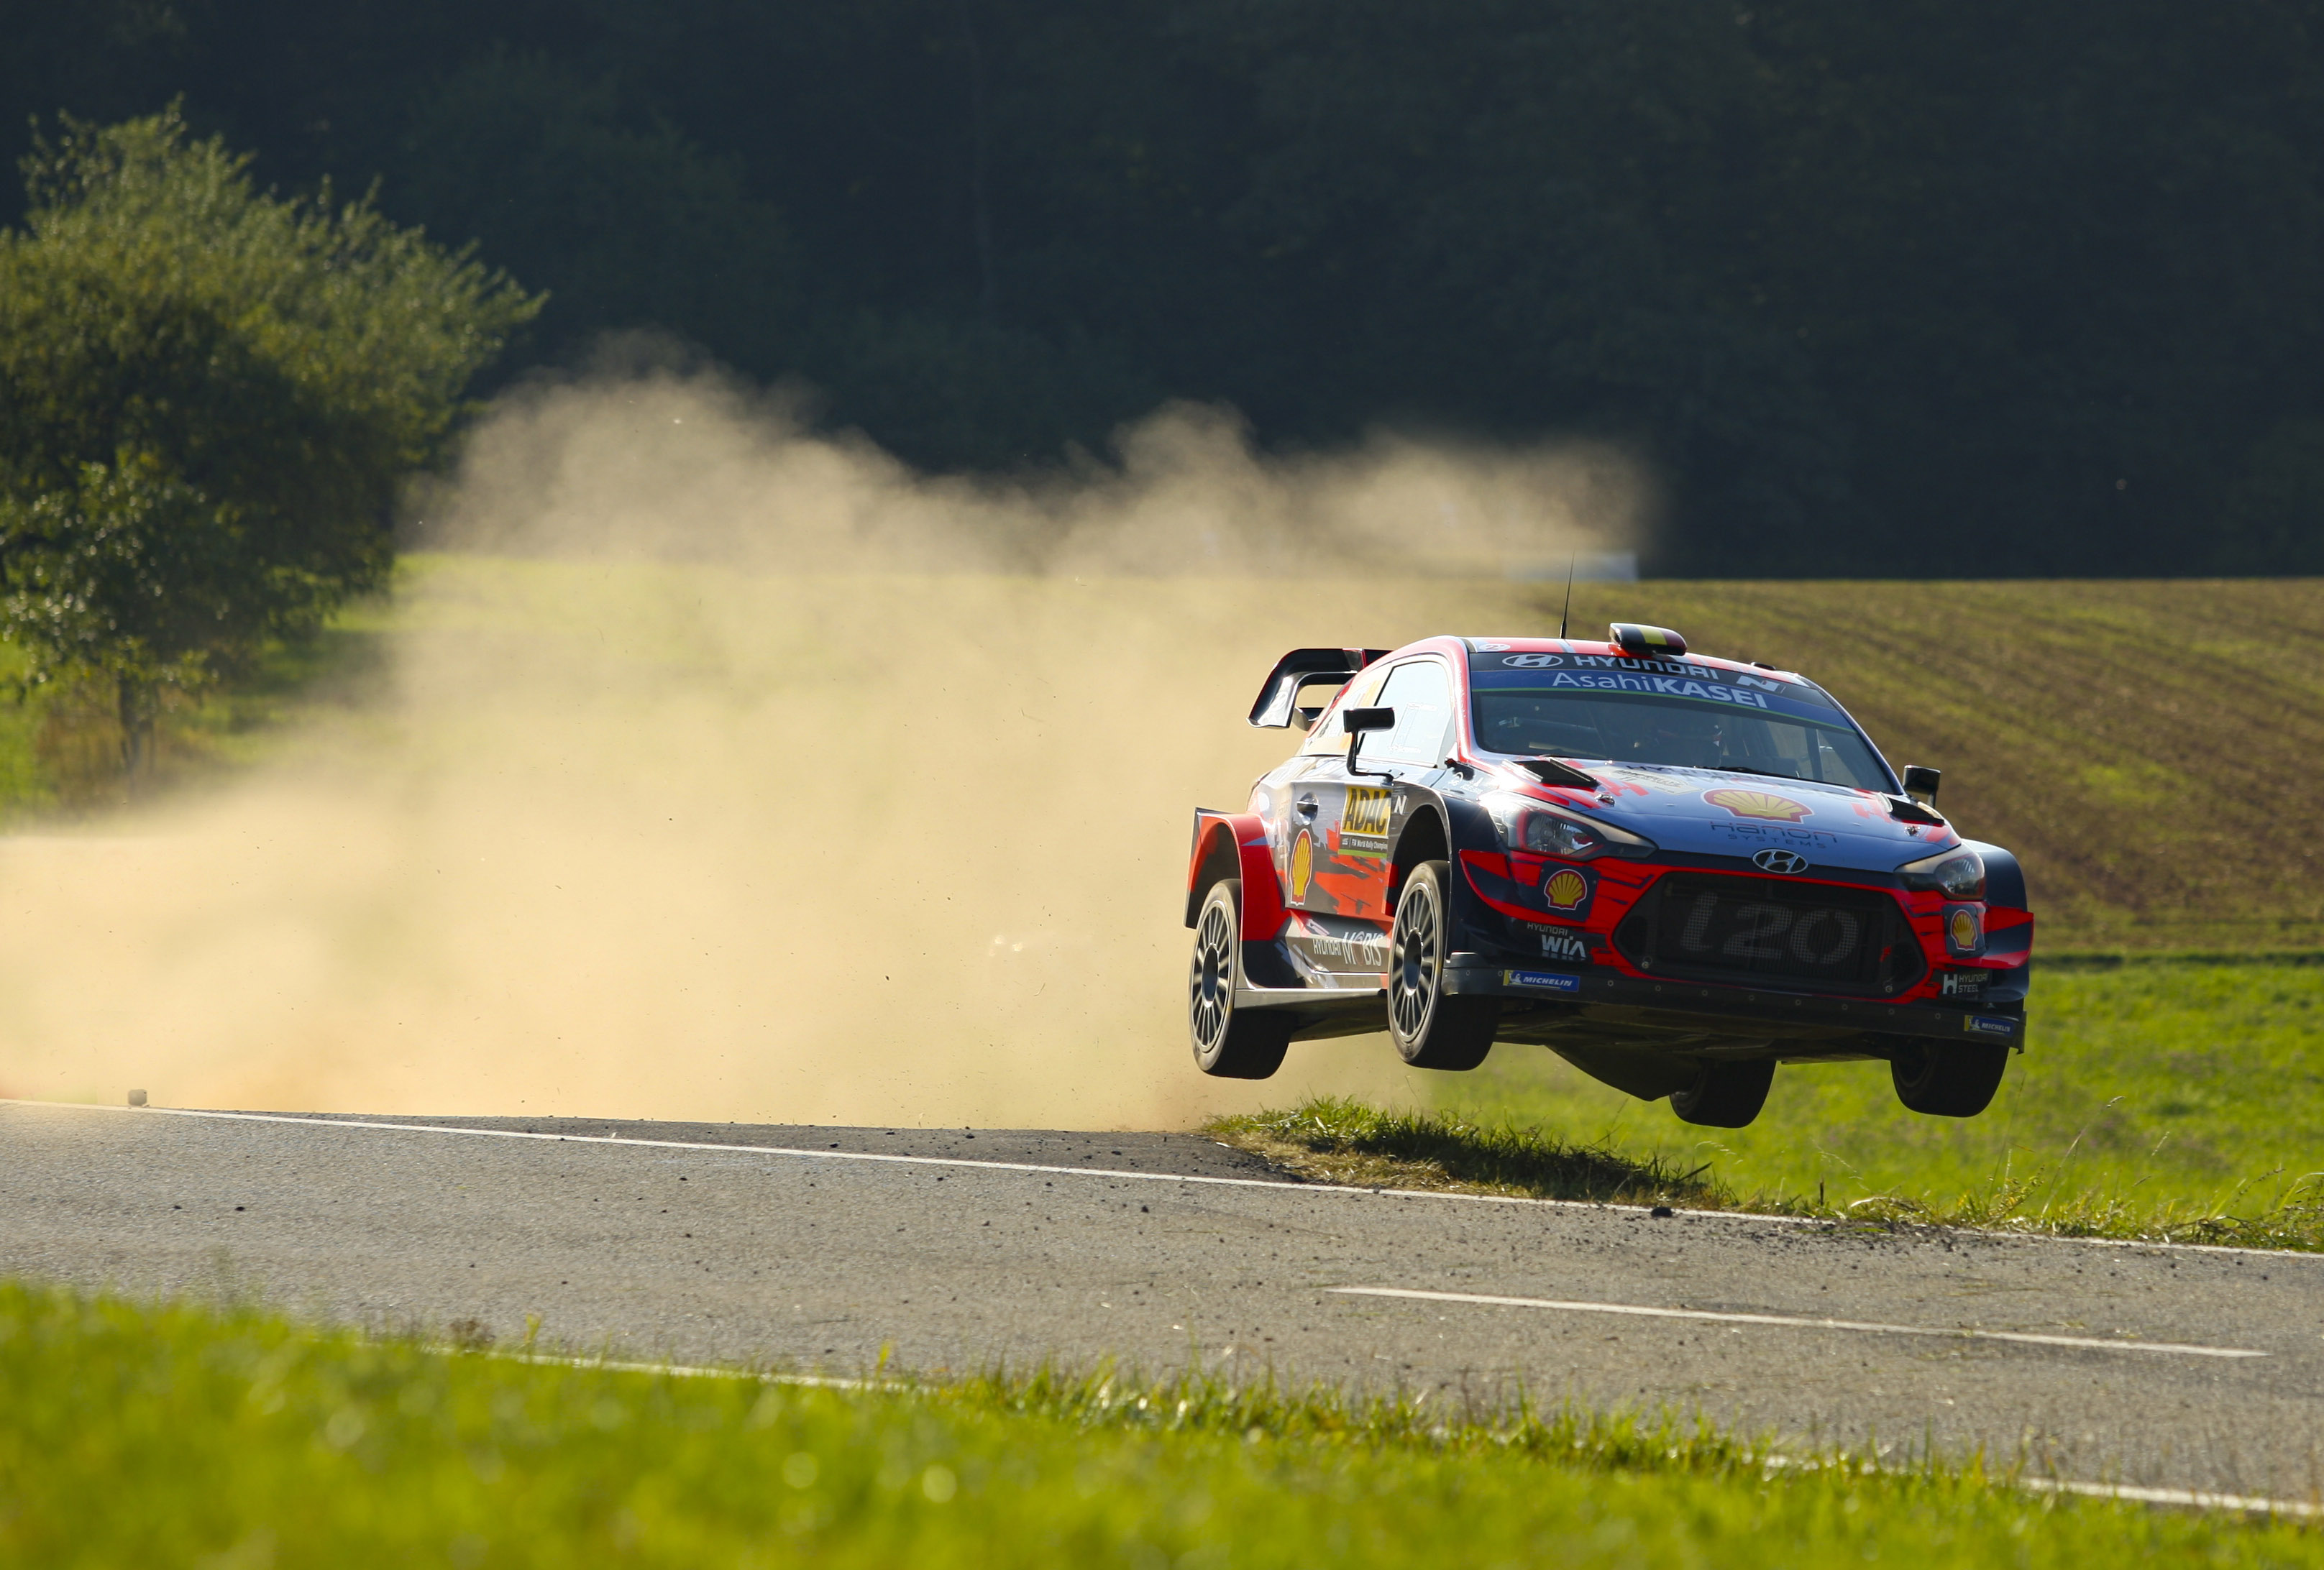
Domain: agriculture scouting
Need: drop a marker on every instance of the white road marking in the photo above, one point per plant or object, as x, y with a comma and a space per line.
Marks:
1277, 1183
675, 1370
627, 1142
2185, 1498
2135, 1493
2088, 1343
2192, 1499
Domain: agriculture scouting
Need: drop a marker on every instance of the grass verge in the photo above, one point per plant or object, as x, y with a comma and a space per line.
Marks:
164, 1435
1330, 1139
2173, 1099
60, 744
1333, 1140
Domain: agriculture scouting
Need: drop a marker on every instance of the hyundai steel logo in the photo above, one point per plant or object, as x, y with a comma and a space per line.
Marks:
1780, 862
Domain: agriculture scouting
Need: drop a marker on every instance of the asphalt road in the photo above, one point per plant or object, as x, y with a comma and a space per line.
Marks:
2173, 1367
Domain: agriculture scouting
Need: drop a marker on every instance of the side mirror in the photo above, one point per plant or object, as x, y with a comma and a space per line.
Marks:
1920, 783
1356, 721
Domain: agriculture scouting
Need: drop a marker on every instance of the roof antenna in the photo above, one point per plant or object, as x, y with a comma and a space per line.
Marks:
1568, 611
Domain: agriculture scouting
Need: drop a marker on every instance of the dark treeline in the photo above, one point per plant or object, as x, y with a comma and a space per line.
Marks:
1958, 286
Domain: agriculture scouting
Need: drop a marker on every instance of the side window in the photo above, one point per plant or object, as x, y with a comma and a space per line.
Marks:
1421, 693
1328, 736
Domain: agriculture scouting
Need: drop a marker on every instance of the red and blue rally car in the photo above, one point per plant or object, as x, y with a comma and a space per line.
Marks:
1674, 871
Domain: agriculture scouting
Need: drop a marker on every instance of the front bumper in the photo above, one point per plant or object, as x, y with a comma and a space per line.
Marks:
1594, 1006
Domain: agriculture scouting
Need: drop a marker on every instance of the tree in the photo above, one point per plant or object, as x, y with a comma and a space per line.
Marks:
209, 397
628, 225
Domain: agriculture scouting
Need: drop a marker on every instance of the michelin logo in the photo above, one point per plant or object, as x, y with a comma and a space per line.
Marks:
1984, 1024
1545, 979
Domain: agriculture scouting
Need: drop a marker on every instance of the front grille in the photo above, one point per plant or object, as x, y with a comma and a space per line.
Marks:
1851, 940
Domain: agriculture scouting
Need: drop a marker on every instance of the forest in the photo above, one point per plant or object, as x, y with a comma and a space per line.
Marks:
1930, 288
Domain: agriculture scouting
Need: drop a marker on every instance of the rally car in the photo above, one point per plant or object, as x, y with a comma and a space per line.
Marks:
1674, 871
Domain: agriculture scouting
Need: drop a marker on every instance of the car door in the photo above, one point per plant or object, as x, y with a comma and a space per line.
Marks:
1379, 798
1341, 829
1312, 801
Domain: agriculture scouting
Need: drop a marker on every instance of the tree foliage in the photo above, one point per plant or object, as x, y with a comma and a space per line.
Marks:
208, 396
1930, 286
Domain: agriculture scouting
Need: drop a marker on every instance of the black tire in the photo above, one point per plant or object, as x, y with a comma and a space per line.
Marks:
1948, 1079
1230, 1043
1431, 1030
1725, 1095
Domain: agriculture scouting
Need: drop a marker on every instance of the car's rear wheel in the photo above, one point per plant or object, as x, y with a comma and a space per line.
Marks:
1725, 1095
1431, 1030
1948, 1079
1230, 1042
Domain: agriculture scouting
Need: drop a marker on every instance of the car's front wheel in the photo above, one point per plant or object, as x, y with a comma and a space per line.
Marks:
1948, 1079
1230, 1042
1430, 1029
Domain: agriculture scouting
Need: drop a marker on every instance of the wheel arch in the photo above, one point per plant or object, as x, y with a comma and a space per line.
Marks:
1426, 837
2004, 880
1234, 845
1216, 859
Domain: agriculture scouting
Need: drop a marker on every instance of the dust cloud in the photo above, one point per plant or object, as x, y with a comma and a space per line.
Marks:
725, 772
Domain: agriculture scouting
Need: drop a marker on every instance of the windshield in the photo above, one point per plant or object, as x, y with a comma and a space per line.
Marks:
1789, 737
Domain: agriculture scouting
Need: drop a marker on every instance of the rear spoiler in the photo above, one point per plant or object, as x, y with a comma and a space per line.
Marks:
1302, 667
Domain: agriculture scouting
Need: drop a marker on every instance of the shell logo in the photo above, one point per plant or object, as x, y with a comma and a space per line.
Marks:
1303, 866
1565, 889
1963, 929
1761, 804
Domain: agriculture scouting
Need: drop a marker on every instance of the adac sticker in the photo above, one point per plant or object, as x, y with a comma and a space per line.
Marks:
1364, 823
1763, 805
1984, 1024
1548, 980
1565, 889
1303, 866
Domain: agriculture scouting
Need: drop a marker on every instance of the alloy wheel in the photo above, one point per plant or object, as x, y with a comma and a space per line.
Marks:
1213, 985
1412, 983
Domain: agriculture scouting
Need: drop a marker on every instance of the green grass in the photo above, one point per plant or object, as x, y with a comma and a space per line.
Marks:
168, 1435
60, 744
2177, 1099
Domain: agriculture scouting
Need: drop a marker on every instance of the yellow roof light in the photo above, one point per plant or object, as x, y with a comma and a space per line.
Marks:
1646, 642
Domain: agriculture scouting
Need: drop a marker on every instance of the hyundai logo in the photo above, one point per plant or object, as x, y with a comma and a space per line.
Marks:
1780, 862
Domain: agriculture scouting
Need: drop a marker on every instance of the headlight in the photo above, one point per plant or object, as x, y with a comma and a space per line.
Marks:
1955, 874
1526, 825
